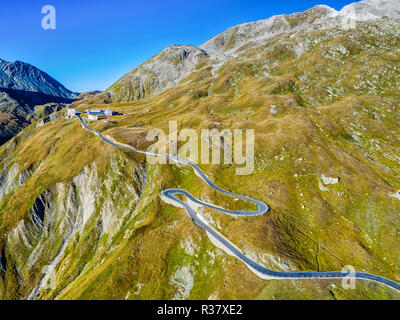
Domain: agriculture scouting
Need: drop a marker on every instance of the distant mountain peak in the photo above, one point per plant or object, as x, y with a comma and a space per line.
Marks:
23, 76
226, 43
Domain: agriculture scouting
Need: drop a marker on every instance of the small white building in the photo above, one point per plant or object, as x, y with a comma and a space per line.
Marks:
71, 112
93, 117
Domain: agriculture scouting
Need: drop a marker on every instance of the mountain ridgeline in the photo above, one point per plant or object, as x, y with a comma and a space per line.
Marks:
20, 76
22, 88
170, 66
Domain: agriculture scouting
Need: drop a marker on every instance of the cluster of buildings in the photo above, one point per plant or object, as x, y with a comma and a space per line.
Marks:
71, 113
94, 114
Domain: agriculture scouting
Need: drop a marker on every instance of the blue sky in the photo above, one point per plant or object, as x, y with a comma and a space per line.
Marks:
98, 41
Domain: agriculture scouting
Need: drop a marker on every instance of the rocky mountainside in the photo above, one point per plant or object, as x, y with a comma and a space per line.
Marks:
10, 125
175, 63
251, 34
255, 33
162, 71
22, 88
372, 9
82, 220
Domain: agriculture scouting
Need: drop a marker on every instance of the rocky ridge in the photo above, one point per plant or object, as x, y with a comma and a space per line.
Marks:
175, 63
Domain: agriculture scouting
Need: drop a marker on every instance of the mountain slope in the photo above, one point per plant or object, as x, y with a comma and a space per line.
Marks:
10, 125
372, 9
175, 63
22, 76
254, 33
162, 71
22, 87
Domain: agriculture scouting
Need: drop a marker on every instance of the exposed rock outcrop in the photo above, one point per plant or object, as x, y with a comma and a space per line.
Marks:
161, 72
65, 214
372, 9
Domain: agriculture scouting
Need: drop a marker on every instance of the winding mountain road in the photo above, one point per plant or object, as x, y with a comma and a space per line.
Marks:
170, 196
